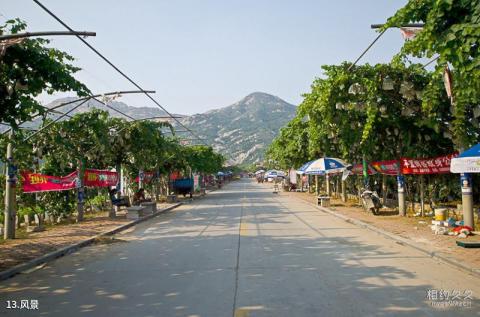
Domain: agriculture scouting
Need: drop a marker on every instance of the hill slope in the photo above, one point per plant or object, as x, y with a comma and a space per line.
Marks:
243, 130
134, 112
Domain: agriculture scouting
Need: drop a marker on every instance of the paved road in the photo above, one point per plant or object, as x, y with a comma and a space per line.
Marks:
242, 251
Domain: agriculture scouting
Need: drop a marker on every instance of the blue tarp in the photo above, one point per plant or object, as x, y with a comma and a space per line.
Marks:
471, 152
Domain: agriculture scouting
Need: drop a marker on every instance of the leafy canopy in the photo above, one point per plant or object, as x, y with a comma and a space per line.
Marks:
28, 69
451, 31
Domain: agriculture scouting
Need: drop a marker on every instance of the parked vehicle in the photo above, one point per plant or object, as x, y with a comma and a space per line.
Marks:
371, 201
183, 186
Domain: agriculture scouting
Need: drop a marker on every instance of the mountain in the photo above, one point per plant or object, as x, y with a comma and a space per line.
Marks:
134, 112
243, 130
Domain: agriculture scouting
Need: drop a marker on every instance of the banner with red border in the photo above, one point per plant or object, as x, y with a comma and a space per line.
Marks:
35, 182
434, 165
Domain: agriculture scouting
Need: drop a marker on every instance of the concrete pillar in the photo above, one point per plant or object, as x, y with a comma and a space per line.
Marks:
122, 181
401, 195
141, 175
10, 213
80, 191
467, 200
344, 191
384, 189
317, 190
422, 196
327, 183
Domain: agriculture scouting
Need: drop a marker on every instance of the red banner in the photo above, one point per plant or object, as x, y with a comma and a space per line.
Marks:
435, 165
358, 169
147, 177
386, 167
175, 175
100, 178
33, 182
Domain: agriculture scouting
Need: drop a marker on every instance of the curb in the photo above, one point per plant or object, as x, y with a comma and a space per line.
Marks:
403, 241
74, 247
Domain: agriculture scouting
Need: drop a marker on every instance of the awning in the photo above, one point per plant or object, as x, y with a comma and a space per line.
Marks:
467, 162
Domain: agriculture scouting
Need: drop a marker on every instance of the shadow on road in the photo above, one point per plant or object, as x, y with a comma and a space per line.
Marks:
185, 264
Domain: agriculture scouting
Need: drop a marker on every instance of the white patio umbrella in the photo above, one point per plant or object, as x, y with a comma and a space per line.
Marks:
326, 165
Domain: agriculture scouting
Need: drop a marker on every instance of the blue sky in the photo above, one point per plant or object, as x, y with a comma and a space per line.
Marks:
201, 55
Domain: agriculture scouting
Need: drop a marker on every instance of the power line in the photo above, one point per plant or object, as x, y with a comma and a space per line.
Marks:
78, 105
366, 50
113, 66
52, 122
53, 109
116, 110
122, 92
378, 26
433, 60
157, 117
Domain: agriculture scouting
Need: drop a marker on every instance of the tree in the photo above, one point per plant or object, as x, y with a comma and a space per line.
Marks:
452, 31
29, 69
290, 147
203, 159
351, 113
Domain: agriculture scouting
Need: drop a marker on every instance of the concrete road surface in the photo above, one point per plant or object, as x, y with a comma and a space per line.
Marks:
244, 251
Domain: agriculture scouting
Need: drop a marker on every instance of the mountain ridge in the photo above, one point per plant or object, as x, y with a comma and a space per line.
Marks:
241, 131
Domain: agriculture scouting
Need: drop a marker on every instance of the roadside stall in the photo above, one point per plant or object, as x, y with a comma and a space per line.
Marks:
325, 166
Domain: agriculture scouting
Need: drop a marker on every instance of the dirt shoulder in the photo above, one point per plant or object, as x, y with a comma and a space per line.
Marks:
28, 246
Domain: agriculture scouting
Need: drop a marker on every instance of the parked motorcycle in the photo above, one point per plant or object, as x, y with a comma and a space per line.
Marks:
371, 201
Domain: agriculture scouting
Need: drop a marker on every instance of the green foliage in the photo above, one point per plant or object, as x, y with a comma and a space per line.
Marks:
99, 141
58, 203
28, 69
349, 114
99, 200
203, 159
451, 31
290, 148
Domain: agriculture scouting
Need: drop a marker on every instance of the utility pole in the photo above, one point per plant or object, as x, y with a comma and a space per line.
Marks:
141, 176
80, 190
10, 185
402, 211
365, 172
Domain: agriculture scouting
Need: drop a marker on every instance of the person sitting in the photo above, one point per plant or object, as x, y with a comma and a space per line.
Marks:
115, 201
139, 197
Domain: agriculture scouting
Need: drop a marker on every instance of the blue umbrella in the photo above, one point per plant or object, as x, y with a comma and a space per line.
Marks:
474, 151
220, 174
326, 165
302, 169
